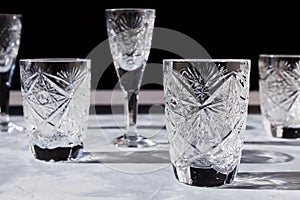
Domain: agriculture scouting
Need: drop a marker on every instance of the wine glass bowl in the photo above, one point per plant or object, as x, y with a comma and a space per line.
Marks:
130, 34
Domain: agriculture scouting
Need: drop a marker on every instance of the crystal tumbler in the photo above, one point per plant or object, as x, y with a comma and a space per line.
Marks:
279, 86
56, 99
206, 103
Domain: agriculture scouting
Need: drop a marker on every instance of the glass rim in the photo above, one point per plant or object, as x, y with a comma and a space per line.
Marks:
206, 60
278, 56
55, 60
129, 9
7, 15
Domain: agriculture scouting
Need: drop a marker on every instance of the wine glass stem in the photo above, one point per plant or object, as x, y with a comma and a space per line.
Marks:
131, 109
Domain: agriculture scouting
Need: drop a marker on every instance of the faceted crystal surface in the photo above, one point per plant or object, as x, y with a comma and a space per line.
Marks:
279, 91
130, 35
10, 34
56, 98
129, 32
206, 110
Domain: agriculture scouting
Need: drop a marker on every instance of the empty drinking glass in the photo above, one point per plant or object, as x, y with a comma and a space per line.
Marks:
10, 34
206, 103
130, 34
279, 88
56, 99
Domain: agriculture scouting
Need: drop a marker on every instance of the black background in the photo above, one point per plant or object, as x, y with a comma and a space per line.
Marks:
225, 29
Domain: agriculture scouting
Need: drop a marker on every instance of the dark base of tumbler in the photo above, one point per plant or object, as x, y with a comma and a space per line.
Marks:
280, 131
4, 126
290, 132
57, 154
208, 177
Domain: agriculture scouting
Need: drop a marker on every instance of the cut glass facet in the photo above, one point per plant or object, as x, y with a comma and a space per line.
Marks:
206, 110
279, 93
56, 99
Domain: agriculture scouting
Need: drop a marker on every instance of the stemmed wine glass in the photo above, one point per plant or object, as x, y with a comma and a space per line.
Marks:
10, 33
130, 34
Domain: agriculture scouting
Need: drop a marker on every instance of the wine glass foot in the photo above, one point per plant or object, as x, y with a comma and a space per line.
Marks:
10, 127
138, 142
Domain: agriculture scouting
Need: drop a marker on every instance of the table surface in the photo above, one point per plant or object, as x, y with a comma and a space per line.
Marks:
270, 167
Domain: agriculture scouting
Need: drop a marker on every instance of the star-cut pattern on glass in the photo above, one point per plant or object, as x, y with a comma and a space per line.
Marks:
53, 101
279, 89
206, 108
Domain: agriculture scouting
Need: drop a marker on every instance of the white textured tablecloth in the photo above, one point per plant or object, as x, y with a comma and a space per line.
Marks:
270, 167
